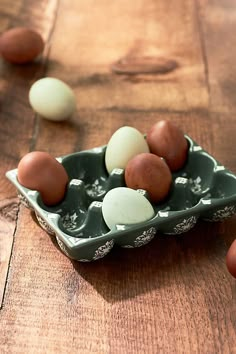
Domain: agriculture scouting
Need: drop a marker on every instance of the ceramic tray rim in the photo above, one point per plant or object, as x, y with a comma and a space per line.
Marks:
51, 219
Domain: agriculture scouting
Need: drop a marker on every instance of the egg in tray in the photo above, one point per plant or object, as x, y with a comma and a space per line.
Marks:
101, 205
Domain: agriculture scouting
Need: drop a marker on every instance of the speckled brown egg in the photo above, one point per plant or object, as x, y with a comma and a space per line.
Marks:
150, 172
231, 259
21, 45
166, 140
40, 171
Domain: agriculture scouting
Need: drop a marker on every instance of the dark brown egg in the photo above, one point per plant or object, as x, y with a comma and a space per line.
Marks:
150, 172
166, 140
21, 45
40, 171
231, 259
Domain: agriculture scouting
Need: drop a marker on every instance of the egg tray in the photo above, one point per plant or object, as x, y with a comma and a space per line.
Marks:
203, 189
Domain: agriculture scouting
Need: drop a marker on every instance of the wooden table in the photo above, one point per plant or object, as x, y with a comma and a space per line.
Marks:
129, 63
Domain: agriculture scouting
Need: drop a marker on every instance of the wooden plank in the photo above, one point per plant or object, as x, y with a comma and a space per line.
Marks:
218, 21
95, 38
224, 132
8, 216
17, 119
171, 294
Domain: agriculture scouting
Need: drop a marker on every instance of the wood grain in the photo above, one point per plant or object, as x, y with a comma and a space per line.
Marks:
175, 294
8, 216
17, 129
218, 20
100, 36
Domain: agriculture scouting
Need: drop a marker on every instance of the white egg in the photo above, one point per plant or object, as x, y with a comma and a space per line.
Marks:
124, 144
124, 206
52, 99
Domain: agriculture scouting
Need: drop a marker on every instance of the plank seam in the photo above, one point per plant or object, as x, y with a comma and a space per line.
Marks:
203, 45
10, 258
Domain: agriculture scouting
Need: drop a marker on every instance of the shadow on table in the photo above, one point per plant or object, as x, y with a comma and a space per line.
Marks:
166, 260
25, 72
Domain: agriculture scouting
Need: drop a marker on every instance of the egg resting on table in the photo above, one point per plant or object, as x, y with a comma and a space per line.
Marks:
231, 259
52, 99
21, 45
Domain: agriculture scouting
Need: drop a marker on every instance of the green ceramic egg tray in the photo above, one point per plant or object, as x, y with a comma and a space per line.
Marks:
203, 189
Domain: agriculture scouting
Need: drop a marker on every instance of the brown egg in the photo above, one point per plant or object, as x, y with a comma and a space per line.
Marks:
40, 171
150, 172
231, 259
21, 45
166, 140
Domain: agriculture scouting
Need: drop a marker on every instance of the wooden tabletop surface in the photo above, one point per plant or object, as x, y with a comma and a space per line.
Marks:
129, 63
